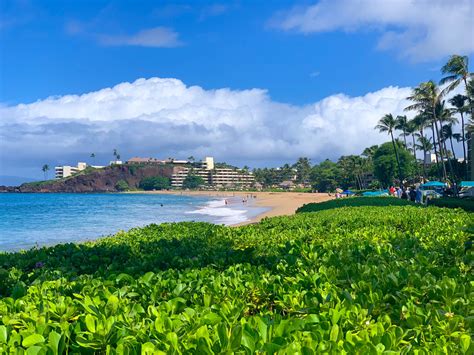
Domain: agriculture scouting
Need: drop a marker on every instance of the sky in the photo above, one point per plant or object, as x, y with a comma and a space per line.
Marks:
255, 83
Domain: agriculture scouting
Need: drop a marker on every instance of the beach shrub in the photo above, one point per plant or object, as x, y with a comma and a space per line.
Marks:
355, 202
155, 183
466, 204
122, 185
363, 280
193, 182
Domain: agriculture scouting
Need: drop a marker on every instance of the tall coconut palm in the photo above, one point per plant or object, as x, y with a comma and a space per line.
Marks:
425, 145
447, 133
402, 125
45, 170
425, 97
459, 104
93, 157
445, 116
456, 70
387, 124
410, 130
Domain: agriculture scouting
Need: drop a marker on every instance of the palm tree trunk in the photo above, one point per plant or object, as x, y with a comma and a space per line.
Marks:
398, 159
405, 138
435, 149
464, 142
414, 146
452, 148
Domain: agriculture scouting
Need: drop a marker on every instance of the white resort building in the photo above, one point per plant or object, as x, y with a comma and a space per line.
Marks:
67, 170
213, 176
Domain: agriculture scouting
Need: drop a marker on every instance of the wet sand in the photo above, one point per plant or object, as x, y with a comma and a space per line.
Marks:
280, 203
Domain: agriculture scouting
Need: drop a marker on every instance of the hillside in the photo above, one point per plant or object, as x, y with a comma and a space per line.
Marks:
96, 180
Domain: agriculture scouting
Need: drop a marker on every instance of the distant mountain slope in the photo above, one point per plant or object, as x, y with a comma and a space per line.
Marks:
96, 180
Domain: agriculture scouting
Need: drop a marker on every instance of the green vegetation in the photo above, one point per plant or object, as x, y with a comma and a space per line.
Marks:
355, 202
193, 182
362, 280
466, 204
155, 183
122, 185
387, 165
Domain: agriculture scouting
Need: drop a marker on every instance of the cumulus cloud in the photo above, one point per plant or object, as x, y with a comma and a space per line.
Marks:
152, 37
164, 117
420, 30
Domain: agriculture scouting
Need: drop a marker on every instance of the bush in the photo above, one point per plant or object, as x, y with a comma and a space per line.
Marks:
122, 185
362, 280
466, 204
193, 182
354, 202
155, 183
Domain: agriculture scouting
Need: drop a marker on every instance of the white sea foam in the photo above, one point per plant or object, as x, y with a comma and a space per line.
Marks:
225, 215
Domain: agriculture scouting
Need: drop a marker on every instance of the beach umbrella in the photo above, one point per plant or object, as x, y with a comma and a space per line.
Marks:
466, 184
338, 190
434, 184
348, 192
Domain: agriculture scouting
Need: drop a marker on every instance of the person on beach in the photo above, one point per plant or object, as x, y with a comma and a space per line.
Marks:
412, 194
399, 192
419, 195
404, 195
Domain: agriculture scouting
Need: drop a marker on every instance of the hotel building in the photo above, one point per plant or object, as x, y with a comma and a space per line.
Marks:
217, 177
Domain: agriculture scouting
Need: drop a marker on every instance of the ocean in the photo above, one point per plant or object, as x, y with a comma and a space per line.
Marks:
28, 220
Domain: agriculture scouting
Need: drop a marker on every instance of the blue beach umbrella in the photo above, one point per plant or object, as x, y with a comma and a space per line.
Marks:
434, 184
466, 184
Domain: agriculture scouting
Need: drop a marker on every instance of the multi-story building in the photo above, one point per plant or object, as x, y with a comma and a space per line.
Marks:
217, 177
66, 170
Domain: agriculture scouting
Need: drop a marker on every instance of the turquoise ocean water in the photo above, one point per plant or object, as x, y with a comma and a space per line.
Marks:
27, 220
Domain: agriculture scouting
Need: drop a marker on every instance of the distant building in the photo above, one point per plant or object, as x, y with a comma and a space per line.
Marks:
115, 162
430, 158
138, 160
66, 170
217, 177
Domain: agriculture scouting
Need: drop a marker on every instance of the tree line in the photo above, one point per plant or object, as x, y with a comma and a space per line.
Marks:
431, 129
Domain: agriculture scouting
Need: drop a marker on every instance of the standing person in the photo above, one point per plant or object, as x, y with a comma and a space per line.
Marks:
412, 194
404, 195
419, 195
399, 192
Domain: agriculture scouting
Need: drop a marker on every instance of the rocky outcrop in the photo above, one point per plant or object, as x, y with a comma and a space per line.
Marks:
100, 180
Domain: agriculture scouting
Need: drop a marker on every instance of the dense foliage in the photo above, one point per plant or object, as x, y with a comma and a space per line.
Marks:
355, 202
193, 182
385, 163
464, 203
122, 185
362, 280
155, 183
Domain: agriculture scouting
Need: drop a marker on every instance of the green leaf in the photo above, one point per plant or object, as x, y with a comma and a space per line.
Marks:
90, 323
465, 341
34, 350
32, 340
334, 333
112, 304
236, 337
3, 334
54, 340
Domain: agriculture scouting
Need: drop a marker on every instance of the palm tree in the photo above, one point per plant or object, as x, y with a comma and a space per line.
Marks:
387, 124
426, 146
411, 129
447, 133
446, 116
402, 125
45, 169
459, 103
93, 157
457, 70
425, 97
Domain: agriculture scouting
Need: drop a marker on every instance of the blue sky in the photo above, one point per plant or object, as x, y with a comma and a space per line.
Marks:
50, 48
250, 82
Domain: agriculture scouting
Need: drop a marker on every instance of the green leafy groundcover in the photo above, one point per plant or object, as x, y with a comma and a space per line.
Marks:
355, 202
362, 280
466, 204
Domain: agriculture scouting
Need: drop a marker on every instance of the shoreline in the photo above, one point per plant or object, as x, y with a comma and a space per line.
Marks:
277, 203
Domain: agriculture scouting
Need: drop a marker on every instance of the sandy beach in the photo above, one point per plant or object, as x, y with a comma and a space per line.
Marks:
279, 203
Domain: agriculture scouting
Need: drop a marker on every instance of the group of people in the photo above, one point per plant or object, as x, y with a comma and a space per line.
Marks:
411, 193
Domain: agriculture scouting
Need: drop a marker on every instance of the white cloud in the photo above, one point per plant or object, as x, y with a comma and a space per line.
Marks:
152, 37
420, 30
164, 117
